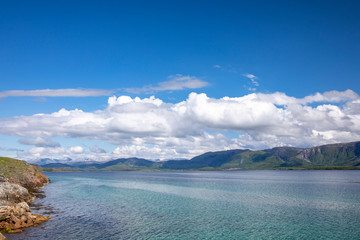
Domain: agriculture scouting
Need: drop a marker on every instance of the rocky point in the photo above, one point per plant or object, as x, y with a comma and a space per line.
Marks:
17, 182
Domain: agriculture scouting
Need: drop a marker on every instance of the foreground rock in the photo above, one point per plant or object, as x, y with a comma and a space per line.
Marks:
17, 182
17, 216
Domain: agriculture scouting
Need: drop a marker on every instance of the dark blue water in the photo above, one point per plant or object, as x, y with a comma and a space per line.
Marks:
200, 205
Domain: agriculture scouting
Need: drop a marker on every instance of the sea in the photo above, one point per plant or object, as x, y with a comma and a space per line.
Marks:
199, 205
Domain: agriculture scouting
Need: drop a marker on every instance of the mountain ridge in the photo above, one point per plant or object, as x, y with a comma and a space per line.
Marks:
340, 155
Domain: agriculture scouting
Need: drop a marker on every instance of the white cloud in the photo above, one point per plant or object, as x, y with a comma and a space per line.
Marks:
279, 98
252, 78
42, 152
39, 142
249, 75
152, 128
216, 66
331, 96
56, 93
76, 150
175, 82
76, 153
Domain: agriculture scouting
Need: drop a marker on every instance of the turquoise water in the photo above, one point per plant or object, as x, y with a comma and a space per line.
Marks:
201, 205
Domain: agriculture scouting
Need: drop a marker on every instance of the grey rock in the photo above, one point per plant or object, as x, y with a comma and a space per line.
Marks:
6, 203
13, 192
3, 178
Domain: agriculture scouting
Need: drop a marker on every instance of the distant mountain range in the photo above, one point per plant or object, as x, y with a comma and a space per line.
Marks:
333, 156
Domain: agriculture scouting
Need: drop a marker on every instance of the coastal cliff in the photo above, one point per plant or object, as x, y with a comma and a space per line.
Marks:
18, 181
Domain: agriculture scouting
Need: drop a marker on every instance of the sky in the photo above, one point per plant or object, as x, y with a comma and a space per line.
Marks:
99, 80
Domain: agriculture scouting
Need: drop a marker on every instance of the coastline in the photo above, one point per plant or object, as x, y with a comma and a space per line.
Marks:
204, 169
19, 184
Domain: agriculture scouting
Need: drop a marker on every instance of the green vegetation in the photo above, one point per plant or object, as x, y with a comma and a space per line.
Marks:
6, 230
128, 164
335, 155
21, 173
15, 169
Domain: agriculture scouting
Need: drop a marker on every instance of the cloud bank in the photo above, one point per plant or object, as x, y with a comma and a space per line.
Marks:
152, 128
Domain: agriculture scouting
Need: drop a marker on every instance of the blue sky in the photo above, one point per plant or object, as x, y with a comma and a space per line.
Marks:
76, 54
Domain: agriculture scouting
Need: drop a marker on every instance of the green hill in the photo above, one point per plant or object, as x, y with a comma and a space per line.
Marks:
22, 173
333, 156
128, 164
210, 160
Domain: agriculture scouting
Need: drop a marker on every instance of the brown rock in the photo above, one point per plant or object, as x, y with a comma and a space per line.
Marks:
40, 218
19, 216
15, 231
2, 237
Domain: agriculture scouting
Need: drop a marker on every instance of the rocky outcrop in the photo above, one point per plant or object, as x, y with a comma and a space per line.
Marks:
17, 216
18, 180
14, 193
21, 173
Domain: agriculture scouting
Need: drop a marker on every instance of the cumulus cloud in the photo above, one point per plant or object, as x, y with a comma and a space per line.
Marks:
42, 152
152, 128
56, 93
279, 98
175, 82
331, 96
76, 153
76, 150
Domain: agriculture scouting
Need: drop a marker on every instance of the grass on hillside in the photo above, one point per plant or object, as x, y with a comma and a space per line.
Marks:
13, 169
10, 167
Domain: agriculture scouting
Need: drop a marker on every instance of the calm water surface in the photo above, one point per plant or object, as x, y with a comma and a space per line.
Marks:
200, 205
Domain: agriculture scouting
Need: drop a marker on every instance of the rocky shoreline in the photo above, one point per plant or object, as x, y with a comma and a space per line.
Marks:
18, 181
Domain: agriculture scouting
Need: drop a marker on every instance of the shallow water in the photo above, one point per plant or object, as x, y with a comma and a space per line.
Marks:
200, 205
